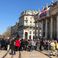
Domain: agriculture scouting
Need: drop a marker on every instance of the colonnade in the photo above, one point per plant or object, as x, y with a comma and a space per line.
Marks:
50, 27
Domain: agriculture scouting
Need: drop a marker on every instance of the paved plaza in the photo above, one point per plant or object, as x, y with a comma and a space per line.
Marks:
25, 54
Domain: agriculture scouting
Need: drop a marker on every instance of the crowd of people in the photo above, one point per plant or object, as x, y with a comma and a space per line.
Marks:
3, 43
17, 44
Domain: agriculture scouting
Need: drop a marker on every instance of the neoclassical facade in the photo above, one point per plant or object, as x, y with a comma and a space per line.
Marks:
27, 24
48, 22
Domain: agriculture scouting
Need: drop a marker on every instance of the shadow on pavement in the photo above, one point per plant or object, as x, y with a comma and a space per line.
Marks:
12, 56
5, 54
44, 53
19, 54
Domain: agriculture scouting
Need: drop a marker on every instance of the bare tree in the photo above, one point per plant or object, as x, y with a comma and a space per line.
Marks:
7, 33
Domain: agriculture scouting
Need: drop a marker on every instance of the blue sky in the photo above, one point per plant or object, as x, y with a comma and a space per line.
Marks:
10, 10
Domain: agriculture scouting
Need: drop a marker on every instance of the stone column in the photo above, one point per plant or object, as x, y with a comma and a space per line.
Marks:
46, 29
57, 26
51, 28
42, 29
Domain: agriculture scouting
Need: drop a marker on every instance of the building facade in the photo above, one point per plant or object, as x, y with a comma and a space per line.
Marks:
14, 29
27, 24
48, 22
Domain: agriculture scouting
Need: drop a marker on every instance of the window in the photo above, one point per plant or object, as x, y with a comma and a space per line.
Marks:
30, 32
26, 18
33, 37
30, 37
26, 21
30, 21
33, 32
26, 35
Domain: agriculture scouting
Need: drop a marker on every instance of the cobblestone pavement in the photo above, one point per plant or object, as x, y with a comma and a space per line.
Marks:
33, 54
25, 54
2, 53
47, 53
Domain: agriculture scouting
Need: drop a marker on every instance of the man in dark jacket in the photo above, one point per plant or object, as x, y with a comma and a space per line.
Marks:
12, 46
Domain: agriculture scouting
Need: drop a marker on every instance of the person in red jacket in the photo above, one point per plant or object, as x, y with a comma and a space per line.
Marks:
17, 43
